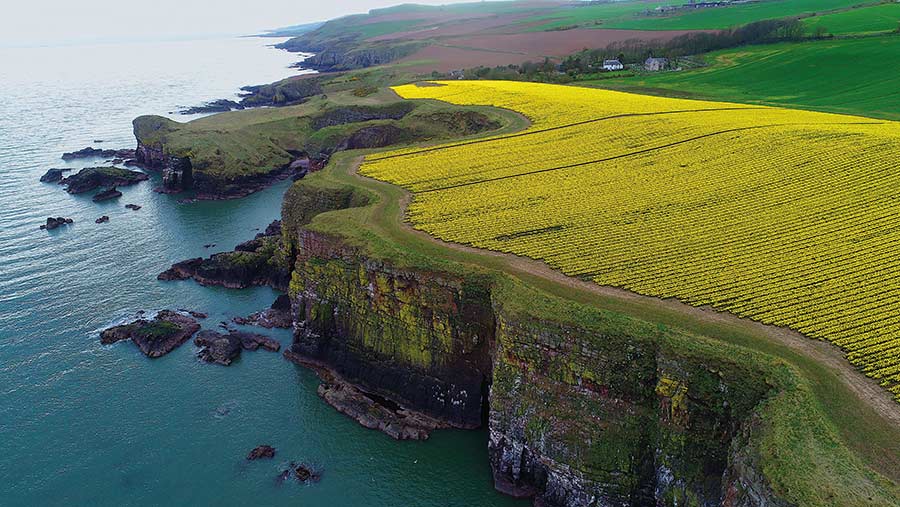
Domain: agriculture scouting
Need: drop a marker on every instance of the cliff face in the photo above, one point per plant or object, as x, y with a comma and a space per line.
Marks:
591, 417
421, 339
583, 407
577, 416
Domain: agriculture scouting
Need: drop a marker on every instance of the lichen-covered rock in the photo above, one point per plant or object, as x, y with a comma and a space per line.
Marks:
257, 262
419, 338
654, 425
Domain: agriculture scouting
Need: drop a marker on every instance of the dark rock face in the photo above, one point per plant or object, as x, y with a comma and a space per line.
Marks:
216, 106
106, 195
577, 416
278, 315
98, 153
53, 223
370, 410
177, 172
262, 451
156, 337
217, 348
96, 177
255, 262
225, 348
53, 175
419, 339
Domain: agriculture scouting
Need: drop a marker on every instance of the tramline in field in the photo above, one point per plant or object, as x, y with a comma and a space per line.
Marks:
784, 216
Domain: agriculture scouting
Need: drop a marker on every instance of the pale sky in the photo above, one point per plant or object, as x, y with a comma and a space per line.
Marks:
48, 22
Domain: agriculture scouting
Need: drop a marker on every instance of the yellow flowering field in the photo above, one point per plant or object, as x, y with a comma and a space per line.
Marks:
787, 217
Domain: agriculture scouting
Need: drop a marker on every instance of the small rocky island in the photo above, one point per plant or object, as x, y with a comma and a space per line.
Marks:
156, 337
92, 178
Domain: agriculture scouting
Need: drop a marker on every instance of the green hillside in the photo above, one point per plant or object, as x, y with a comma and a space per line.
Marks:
853, 76
876, 18
725, 17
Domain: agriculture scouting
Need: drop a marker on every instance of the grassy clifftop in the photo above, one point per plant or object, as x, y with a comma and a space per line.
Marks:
255, 142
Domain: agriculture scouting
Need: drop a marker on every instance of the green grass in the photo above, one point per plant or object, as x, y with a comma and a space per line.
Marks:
851, 76
727, 17
597, 15
863, 20
818, 439
250, 142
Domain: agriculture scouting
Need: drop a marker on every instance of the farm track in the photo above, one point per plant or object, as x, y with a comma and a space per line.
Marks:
822, 352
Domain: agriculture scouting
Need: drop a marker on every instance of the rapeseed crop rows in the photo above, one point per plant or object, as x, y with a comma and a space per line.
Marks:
787, 217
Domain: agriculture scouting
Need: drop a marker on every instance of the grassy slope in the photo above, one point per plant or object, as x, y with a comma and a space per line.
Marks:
815, 419
848, 76
725, 17
872, 19
257, 141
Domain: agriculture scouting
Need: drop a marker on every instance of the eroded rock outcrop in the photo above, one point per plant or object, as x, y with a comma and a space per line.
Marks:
277, 316
156, 337
90, 152
224, 348
53, 175
419, 339
92, 178
257, 262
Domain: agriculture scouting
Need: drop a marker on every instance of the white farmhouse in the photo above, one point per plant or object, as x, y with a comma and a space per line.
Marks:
612, 65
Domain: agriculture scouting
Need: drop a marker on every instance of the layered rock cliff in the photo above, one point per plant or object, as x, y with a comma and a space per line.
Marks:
583, 408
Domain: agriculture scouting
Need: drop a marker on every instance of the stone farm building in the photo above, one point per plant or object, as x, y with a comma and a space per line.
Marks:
612, 65
655, 64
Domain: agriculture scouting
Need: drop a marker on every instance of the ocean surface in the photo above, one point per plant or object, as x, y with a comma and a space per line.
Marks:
87, 424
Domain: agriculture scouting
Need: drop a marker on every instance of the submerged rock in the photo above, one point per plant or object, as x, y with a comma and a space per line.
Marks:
155, 337
223, 349
91, 178
194, 314
106, 195
262, 451
53, 223
53, 175
133, 207
102, 219
301, 472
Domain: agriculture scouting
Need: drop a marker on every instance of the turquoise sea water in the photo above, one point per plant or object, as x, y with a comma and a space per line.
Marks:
86, 424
